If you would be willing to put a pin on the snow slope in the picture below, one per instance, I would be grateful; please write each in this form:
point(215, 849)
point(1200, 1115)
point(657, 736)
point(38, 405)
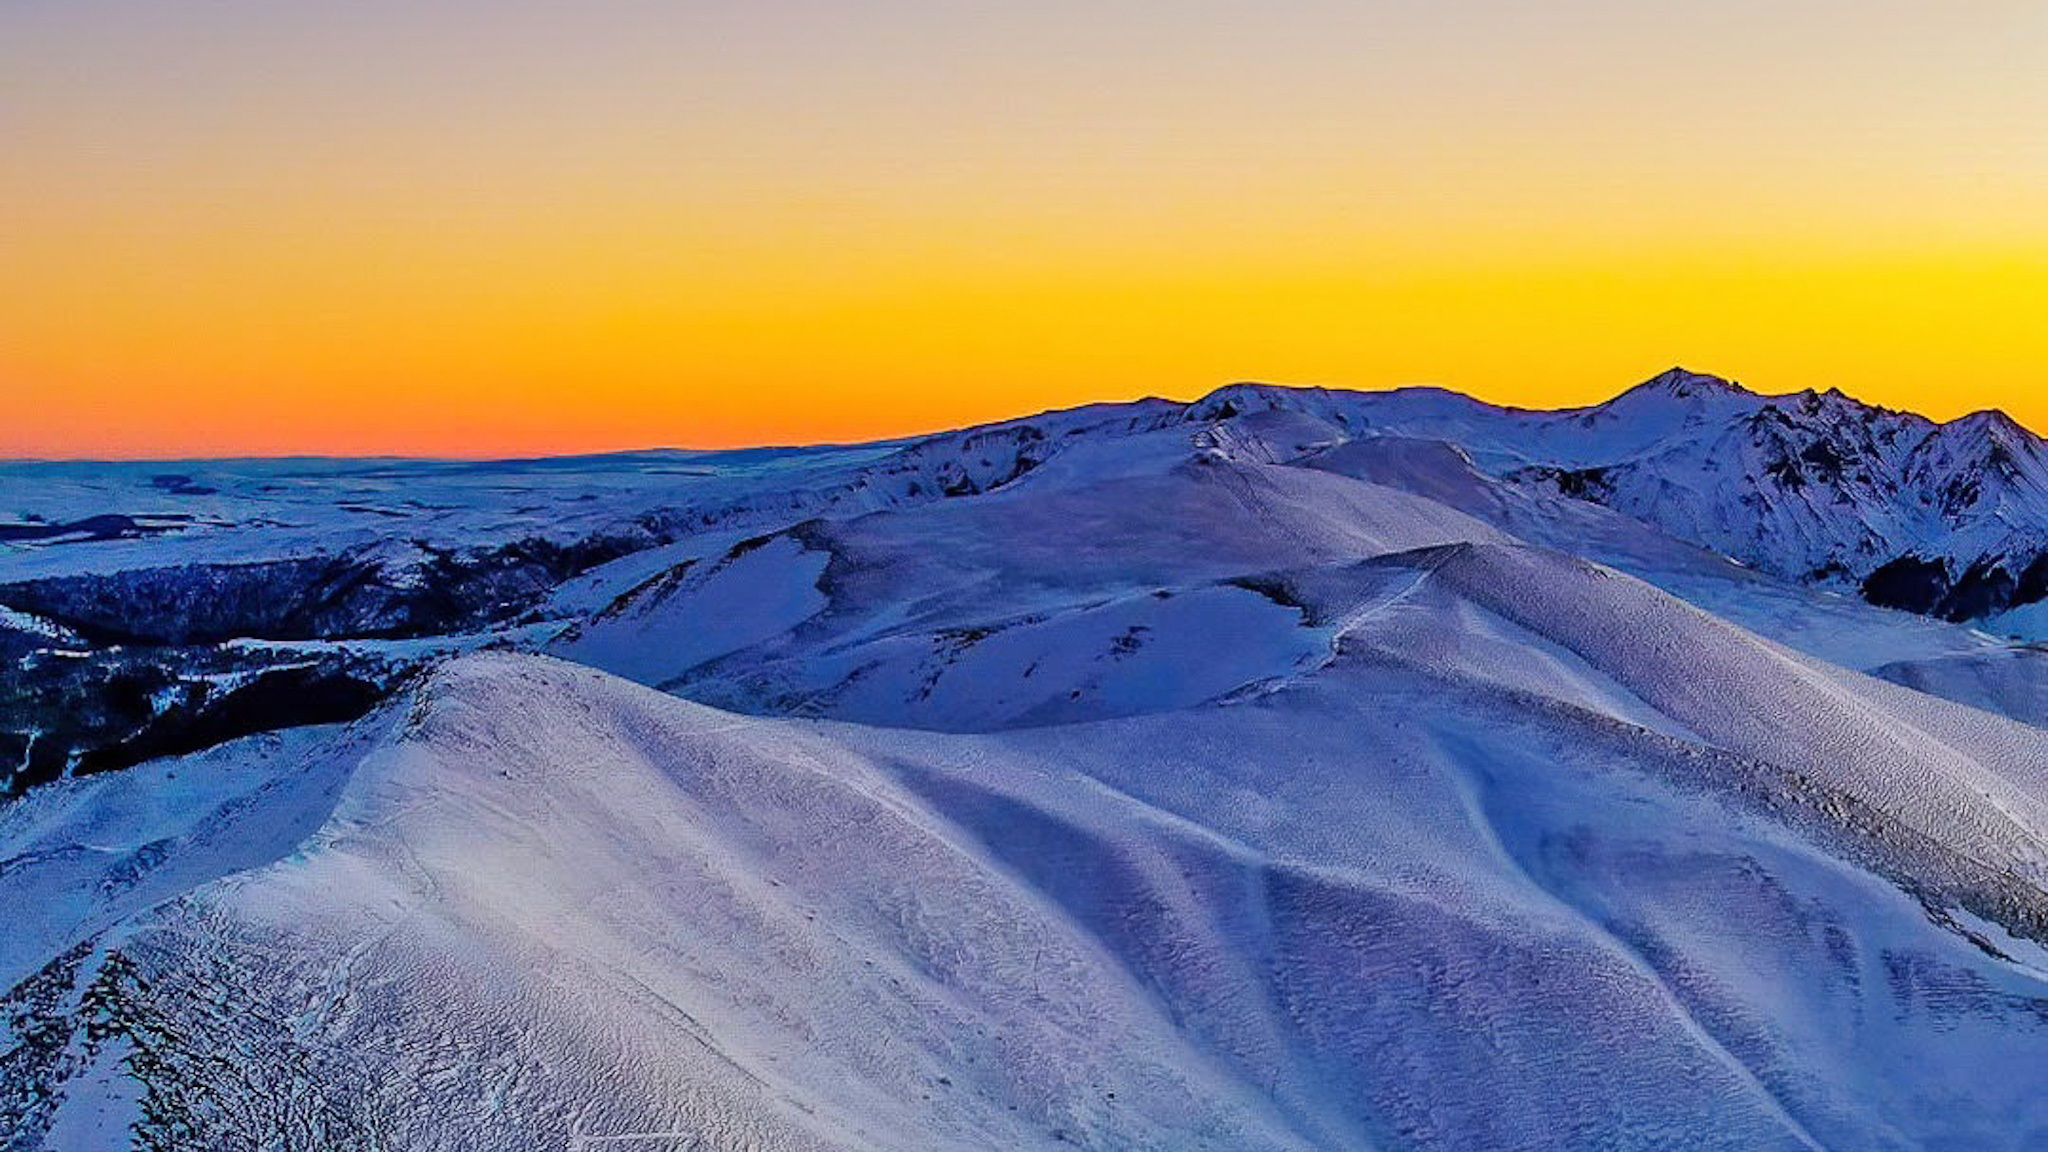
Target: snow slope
point(1053, 601)
point(1297, 769)
point(1948, 519)
point(2009, 681)
point(1364, 911)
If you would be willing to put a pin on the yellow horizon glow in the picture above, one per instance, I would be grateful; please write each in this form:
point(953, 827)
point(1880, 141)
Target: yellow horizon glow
point(559, 239)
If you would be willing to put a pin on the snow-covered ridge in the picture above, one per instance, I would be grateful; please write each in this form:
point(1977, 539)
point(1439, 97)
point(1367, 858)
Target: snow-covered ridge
point(1949, 519)
point(532, 904)
point(1296, 769)
point(366, 568)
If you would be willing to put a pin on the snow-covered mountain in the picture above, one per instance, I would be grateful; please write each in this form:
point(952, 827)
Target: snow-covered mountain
point(1295, 769)
point(1947, 519)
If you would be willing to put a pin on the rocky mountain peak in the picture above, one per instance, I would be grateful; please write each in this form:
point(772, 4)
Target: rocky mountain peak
point(1685, 384)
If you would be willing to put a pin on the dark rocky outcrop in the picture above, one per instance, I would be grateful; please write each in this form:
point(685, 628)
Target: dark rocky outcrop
point(72, 713)
point(1987, 586)
point(1908, 583)
point(315, 597)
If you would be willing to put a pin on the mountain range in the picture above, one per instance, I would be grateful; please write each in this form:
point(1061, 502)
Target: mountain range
point(1292, 769)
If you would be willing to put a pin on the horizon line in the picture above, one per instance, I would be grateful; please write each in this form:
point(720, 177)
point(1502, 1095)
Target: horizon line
point(914, 437)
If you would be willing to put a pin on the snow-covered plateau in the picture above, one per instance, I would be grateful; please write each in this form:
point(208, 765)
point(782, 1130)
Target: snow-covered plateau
point(1295, 769)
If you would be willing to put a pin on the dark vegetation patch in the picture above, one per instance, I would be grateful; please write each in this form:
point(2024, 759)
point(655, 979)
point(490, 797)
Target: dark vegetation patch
point(315, 597)
point(95, 711)
point(179, 484)
point(280, 698)
point(107, 526)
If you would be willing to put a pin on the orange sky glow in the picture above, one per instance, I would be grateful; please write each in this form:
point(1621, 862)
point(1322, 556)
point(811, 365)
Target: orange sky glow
point(527, 227)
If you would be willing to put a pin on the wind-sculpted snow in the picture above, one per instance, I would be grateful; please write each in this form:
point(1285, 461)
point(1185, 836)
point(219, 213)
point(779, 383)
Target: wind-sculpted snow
point(81, 855)
point(1048, 604)
point(1828, 625)
point(180, 561)
point(2009, 681)
point(1365, 911)
point(701, 610)
point(1297, 769)
point(1973, 782)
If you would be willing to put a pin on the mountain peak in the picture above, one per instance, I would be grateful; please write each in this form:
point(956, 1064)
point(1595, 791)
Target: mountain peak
point(1991, 422)
point(1685, 384)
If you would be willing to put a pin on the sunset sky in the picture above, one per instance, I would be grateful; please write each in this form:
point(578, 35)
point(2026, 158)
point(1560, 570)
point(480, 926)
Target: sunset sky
point(242, 227)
